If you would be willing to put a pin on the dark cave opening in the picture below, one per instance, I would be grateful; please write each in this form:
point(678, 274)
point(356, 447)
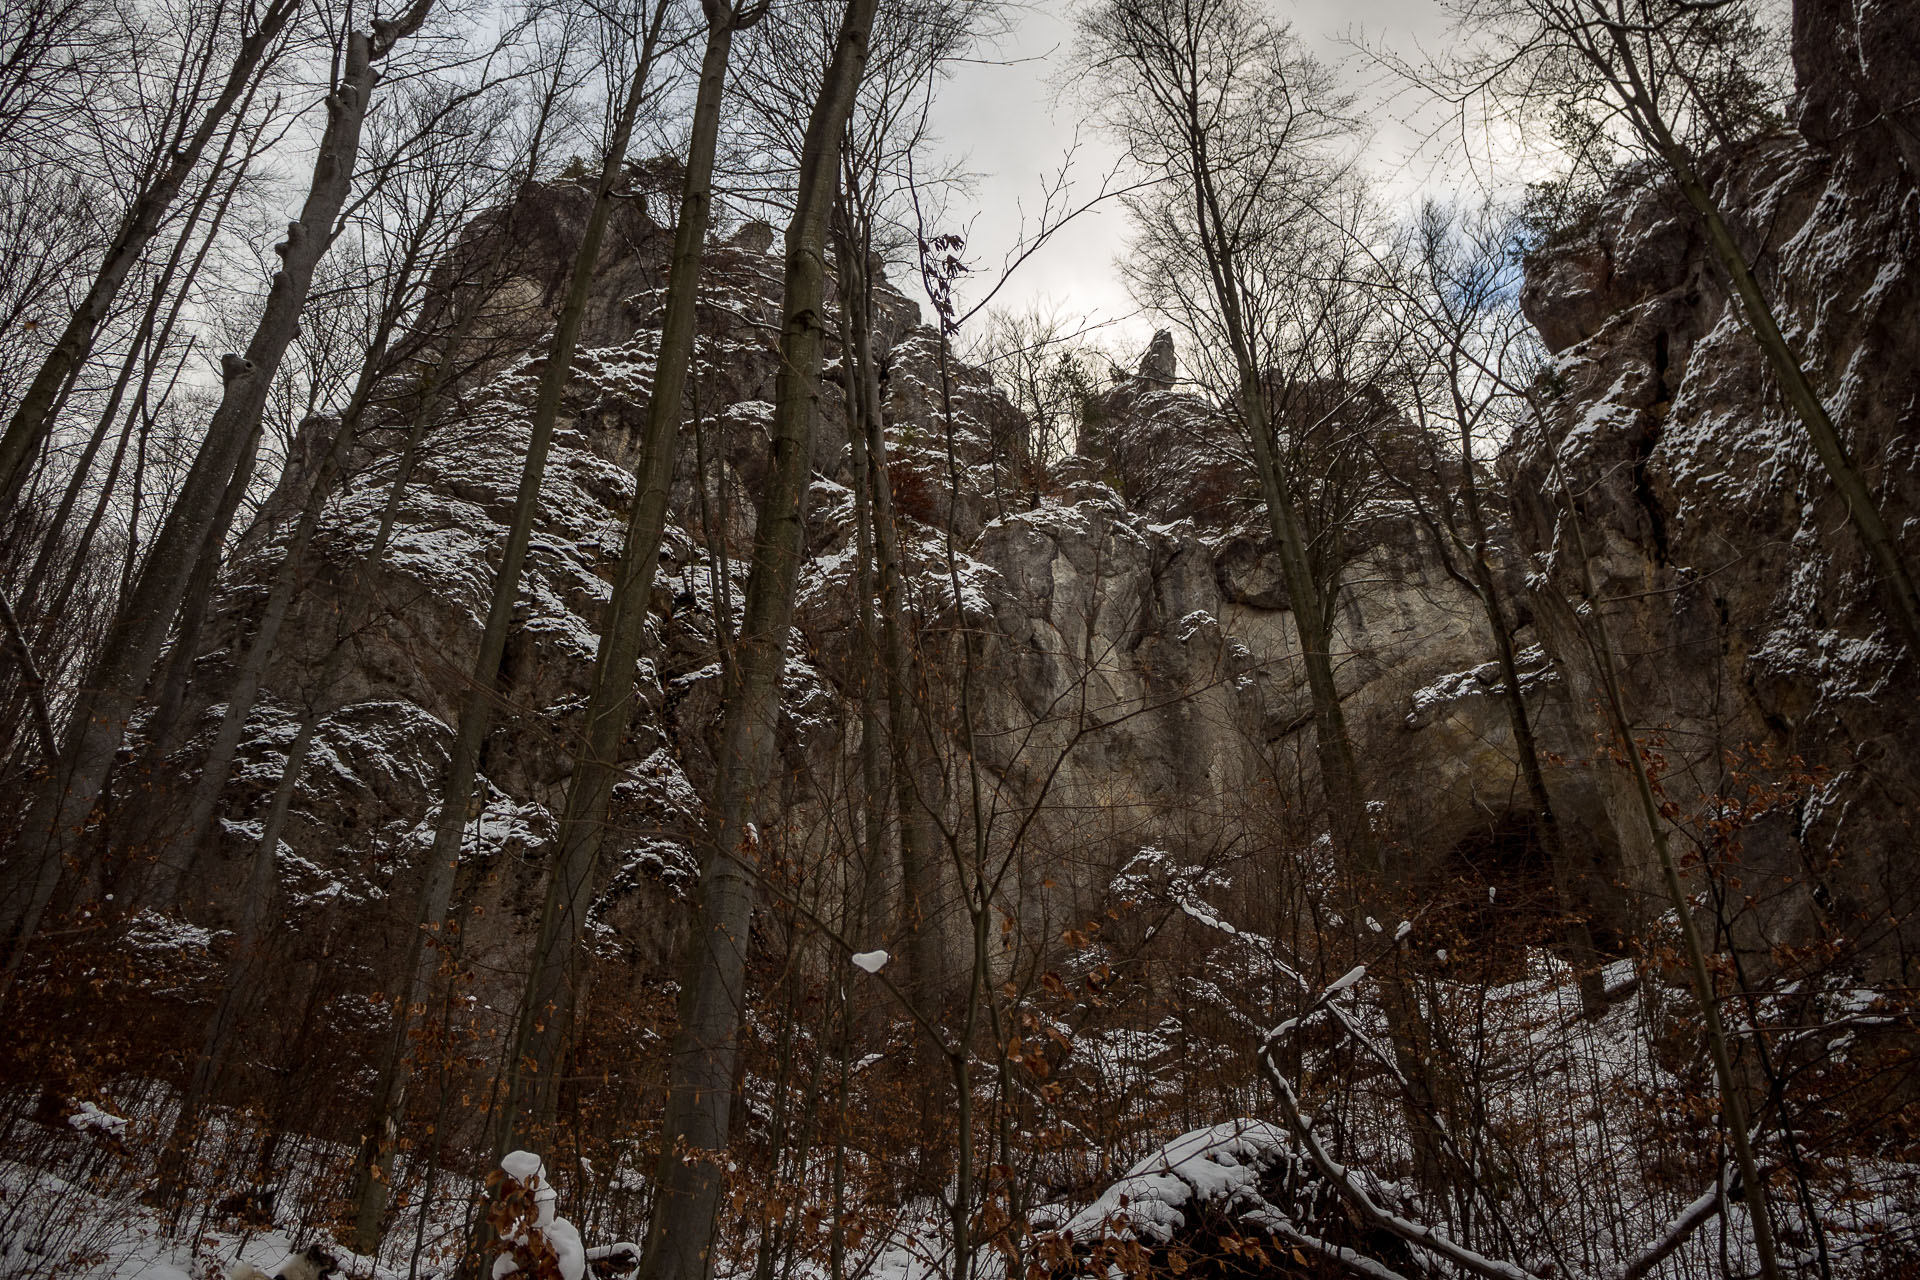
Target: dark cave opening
point(1489, 899)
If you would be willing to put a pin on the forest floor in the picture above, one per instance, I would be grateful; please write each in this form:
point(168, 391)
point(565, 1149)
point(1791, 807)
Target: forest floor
point(1599, 1099)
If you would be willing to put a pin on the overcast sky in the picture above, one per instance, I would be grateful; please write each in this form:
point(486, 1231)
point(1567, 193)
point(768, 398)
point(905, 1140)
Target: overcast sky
point(1004, 120)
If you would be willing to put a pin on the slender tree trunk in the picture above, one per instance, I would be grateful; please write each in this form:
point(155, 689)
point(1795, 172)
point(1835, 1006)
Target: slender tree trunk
point(137, 416)
point(216, 768)
point(130, 563)
point(1352, 826)
point(77, 483)
point(1592, 626)
point(358, 592)
point(50, 613)
point(222, 1030)
point(145, 339)
point(1573, 884)
point(169, 689)
point(62, 805)
point(538, 1053)
point(978, 883)
point(915, 790)
point(1339, 770)
point(694, 1132)
point(313, 233)
point(31, 682)
point(713, 531)
point(837, 1167)
point(871, 891)
point(476, 714)
point(139, 425)
point(33, 418)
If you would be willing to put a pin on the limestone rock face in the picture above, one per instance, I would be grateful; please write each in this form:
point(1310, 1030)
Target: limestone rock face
point(410, 626)
point(1179, 685)
point(1157, 365)
point(1857, 66)
point(1131, 666)
point(1113, 627)
point(1736, 592)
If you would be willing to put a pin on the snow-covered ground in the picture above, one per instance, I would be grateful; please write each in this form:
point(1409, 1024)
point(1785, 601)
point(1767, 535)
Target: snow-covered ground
point(74, 1204)
point(1589, 1150)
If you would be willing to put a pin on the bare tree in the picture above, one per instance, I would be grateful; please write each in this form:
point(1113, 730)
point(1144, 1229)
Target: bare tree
point(432, 157)
point(699, 1102)
point(553, 986)
point(1054, 369)
point(1467, 351)
point(884, 132)
point(190, 128)
point(48, 51)
point(635, 40)
point(63, 804)
point(1237, 129)
point(1587, 614)
point(68, 548)
point(1239, 134)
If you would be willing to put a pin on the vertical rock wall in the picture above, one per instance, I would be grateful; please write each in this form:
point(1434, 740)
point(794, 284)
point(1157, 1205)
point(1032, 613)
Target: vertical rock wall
point(1756, 653)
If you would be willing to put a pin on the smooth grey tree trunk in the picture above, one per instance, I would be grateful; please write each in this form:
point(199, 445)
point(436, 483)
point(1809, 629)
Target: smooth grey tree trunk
point(860, 392)
point(915, 790)
point(380, 1131)
point(553, 989)
point(690, 1183)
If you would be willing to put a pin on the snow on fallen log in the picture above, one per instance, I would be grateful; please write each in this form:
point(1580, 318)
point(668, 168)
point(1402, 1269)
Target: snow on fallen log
point(1219, 1189)
point(1690, 1219)
point(1219, 1164)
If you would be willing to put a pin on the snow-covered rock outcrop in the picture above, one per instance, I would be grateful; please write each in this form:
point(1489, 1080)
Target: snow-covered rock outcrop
point(1128, 654)
point(1744, 608)
point(1135, 671)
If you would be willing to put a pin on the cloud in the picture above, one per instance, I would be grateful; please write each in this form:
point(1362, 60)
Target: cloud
point(1003, 119)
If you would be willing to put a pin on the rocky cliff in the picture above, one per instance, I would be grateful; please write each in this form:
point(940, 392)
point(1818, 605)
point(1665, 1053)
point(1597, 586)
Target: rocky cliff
point(1135, 672)
point(1124, 653)
point(1735, 590)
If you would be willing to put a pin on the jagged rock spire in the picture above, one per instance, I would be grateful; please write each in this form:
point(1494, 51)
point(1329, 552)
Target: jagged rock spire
point(1157, 365)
